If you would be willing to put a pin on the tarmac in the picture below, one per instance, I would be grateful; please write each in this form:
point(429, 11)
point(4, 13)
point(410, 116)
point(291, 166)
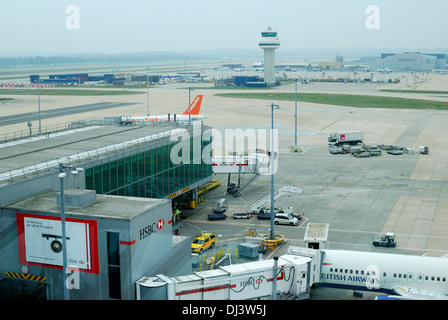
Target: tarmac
point(359, 197)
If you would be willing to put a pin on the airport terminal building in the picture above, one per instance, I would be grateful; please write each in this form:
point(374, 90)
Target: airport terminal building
point(120, 185)
point(412, 61)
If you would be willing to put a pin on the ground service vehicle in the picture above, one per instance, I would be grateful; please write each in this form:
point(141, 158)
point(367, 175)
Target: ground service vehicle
point(264, 215)
point(362, 155)
point(346, 137)
point(424, 150)
point(242, 215)
point(385, 240)
point(219, 206)
point(203, 242)
point(217, 216)
point(340, 150)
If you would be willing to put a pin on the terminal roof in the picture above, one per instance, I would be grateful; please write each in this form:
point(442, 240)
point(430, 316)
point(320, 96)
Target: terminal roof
point(27, 156)
point(109, 207)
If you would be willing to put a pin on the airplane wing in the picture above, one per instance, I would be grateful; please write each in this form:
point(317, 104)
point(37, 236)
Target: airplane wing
point(409, 293)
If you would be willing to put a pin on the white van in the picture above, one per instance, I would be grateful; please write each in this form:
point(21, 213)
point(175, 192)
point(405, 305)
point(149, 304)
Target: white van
point(285, 218)
point(424, 150)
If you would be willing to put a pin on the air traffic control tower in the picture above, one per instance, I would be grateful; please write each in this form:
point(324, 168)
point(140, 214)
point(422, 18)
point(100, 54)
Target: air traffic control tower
point(269, 43)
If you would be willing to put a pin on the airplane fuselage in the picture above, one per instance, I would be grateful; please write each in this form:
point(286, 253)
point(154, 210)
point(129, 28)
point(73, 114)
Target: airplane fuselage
point(383, 272)
point(192, 114)
point(164, 118)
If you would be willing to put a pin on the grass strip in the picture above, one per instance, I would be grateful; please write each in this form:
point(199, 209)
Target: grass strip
point(415, 91)
point(359, 101)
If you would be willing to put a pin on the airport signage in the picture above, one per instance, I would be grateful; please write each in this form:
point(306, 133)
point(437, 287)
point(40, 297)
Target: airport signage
point(151, 228)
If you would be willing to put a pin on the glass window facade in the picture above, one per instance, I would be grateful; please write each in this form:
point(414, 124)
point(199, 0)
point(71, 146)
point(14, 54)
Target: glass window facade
point(269, 34)
point(149, 173)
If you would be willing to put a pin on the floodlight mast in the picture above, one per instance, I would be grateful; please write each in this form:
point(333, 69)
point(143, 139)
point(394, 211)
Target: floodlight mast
point(272, 106)
point(62, 174)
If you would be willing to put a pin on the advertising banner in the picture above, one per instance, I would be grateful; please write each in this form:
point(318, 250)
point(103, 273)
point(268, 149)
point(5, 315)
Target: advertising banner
point(40, 241)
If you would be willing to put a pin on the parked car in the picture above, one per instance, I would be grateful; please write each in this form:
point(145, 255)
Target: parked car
point(203, 242)
point(285, 218)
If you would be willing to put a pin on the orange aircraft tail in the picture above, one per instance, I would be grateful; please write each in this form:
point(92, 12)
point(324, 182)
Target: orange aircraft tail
point(195, 106)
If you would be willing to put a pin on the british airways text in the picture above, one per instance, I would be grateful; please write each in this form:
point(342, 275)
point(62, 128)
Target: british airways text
point(369, 281)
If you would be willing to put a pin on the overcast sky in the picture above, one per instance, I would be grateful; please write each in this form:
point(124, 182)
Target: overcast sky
point(30, 27)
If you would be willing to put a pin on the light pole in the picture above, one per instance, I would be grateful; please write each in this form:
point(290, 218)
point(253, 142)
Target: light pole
point(63, 174)
point(147, 93)
point(38, 107)
point(272, 236)
point(189, 105)
point(295, 131)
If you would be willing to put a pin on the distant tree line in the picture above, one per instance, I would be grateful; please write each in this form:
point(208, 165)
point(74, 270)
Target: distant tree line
point(102, 58)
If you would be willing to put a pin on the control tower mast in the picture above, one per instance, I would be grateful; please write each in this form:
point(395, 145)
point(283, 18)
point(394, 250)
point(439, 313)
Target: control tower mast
point(269, 43)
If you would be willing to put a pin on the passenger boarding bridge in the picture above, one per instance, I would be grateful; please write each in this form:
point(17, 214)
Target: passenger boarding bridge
point(256, 164)
point(292, 275)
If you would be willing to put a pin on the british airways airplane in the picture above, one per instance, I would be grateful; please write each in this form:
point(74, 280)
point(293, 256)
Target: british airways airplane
point(401, 277)
point(191, 113)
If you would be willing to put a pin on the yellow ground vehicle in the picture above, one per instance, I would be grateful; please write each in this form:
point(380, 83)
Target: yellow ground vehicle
point(203, 242)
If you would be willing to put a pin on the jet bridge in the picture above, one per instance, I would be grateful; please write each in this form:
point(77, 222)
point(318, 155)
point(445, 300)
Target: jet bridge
point(264, 202)
point(256, 164)
point(290, 275)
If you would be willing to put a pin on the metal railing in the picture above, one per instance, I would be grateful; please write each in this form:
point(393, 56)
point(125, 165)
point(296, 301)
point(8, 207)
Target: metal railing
point(24, 172)
point(25, 134)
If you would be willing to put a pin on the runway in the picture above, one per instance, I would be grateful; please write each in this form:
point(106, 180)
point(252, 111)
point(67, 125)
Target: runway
point(59, 112)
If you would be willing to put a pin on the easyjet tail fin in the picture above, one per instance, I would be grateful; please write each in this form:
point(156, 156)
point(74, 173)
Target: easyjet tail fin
point(195, 106)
